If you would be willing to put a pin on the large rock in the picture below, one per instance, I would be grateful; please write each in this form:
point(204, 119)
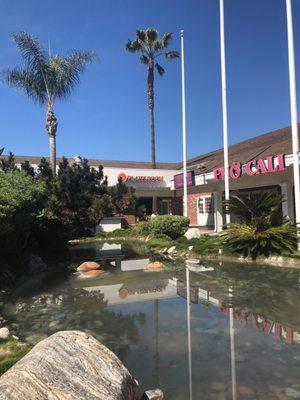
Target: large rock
point(192, 233)
point(69, 365)
point(156, 265)
point(4, 333)
point(88, 266)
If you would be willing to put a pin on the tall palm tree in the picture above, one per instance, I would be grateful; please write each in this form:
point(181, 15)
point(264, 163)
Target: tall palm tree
point(151, 47)
point(46, 78)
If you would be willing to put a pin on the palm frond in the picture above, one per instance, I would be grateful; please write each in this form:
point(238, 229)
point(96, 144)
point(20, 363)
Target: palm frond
point(141, 34)
point(151, 35)
point(133, 46)
point(31, 51)
point(144, 59)
point(27, 80)
point(166, 38)
point(172, 54)
point(65, 72)
point(159, 69)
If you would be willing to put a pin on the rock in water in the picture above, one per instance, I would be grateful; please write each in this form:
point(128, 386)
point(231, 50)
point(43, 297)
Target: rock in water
point(155, 394)
point(155, 266)
point(4, 333)
point(88, 266)
point(69, 365)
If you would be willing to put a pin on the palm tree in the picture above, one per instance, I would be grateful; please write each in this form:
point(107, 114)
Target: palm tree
point(151, 47)
point(46, 78)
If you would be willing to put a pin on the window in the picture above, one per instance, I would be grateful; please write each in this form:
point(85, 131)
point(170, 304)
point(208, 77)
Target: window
point(205, 205)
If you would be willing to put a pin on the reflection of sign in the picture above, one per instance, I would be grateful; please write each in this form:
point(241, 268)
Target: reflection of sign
point(123, 293)
point(178, 180)
point(139, 178)
point(182, 292)
point(253, 167)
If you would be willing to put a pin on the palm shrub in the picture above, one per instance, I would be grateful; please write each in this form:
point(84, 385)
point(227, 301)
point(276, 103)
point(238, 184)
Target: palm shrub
point(262, 230)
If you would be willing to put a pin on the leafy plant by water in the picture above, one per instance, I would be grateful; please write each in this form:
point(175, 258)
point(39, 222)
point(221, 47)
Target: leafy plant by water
point(262, 229)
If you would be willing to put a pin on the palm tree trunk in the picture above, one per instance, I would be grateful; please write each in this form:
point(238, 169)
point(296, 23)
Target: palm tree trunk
point(151, 110)
point(51, 126)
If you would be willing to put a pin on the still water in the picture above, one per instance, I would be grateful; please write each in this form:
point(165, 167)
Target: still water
point(231, 332)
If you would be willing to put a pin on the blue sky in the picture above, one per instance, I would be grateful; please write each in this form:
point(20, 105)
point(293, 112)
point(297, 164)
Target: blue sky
point(107, 115)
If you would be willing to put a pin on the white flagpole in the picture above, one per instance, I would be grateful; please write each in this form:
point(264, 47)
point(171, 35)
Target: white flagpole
point(224, 104)
point(293, 101)
point(185, 203)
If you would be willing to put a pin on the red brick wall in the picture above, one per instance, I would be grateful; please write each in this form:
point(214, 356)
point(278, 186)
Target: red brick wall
point(193, 208)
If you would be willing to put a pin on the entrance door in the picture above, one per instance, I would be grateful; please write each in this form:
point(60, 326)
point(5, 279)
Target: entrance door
point(205, 211)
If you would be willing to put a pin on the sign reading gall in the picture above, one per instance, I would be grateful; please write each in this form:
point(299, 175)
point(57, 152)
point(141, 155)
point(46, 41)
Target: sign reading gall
point(252, 168)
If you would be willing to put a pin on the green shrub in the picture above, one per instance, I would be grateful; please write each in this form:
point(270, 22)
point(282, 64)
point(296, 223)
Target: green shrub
point(248, 241)
point(173, 226)
point(262, 230)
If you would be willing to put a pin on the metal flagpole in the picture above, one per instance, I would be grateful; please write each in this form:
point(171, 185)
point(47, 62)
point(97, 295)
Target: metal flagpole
point(185, 205)
point(293, 101)
point(224, 105)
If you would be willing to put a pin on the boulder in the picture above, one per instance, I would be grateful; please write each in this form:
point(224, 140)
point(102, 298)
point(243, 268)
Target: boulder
point(155, 394)
point(192, 233)
point(92, 274)
point(4, 333)
point(88, 266)
point(156, 265)
point(69, 365)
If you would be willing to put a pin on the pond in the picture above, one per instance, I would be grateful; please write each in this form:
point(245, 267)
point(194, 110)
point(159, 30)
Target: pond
point(226, 332)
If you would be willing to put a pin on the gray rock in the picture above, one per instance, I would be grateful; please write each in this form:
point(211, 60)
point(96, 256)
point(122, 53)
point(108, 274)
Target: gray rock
point(172, 250)
point(293, 393)
point(155, 394)
point(69, 365)
point(4, 333)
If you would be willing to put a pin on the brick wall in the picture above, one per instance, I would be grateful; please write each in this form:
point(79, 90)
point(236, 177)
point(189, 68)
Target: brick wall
point(193, 208)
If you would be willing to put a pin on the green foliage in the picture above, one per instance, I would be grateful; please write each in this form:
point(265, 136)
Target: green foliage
point(11, 351)
point(203, 245)
point(262, 230)
point(45, 77)
point(248, 241)
point(173, 226)
point(8, 163)
point(20, 205)
point(151, 47)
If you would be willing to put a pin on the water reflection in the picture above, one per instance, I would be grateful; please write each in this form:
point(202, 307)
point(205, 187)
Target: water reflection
point(227, 332)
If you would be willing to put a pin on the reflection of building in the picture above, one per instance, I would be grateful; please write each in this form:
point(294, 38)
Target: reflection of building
point(121, 293)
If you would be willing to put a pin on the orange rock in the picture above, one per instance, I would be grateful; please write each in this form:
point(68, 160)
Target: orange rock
point(93, 273)
point(88, 266)
point(155, 266)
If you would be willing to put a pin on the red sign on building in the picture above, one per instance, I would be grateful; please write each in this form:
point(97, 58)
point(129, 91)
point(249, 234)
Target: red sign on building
point(252, 168)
